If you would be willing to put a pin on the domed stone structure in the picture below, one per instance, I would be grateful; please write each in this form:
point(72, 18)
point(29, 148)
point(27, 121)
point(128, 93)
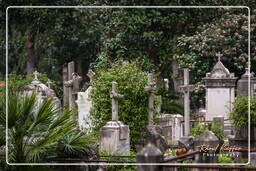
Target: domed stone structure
point(42, 91)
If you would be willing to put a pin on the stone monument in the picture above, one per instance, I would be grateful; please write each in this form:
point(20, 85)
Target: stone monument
point(220, 91)
point(186, 88)
point(114, 136)
point(42, 91)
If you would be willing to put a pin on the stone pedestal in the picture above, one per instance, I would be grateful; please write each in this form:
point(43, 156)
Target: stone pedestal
point(114, 137)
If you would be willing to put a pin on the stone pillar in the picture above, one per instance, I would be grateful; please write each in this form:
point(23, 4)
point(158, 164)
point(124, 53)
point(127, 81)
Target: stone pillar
point(71, 70)
point(149, 154)
point(65, 89)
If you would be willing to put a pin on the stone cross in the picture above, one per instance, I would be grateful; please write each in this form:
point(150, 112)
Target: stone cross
point(186, 88)
point(36, 75)
point(74, 85)
point(219, 56)
point(115, 97)
point(151, 87)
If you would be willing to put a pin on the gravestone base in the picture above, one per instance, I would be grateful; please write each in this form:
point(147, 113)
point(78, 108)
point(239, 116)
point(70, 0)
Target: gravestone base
point(114, 137)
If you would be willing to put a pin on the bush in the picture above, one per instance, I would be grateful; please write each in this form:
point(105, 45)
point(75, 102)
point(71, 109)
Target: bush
point(198, 129)
point(132, 108)
point(239, 114)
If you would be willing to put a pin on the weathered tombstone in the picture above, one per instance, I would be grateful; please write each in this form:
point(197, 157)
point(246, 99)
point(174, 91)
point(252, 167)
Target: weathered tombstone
point(207, 144)
point(243, 83)
point(154, 132)
point(186, 88)
point(172, 125)
point(149, 154)
point(84, 105)
point(151, 88)
point(114, 136)
point(220, 91)
point(166, 84)
point(74, 86)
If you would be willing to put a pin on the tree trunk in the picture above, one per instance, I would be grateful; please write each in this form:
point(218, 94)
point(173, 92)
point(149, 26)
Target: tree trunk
point(31, 58)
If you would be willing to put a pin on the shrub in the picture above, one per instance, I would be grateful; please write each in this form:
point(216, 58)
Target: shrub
point(132, 108)
point(239, 114)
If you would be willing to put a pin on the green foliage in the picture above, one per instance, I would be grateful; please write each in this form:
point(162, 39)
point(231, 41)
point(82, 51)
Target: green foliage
point(239, 114)
point(133, 108)
point(120, 167)
point(18, 82)
point(199, 128)
point(34, 131)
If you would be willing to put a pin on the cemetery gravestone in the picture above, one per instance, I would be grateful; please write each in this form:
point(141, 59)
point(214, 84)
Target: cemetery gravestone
point(220, 91)
point(74, 86)
point(186, 88)
point(243, 83)
point(114, 136)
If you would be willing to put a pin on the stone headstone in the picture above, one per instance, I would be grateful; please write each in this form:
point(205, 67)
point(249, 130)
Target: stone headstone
point(84, 106)
point(172, 125)
point(115, 136)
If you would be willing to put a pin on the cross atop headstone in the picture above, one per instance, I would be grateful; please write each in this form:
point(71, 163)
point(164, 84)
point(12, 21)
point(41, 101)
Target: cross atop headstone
point(115, 98)
point(219, 56)
point(151, 87)
point(36, 75)
point(49, 82)
point(186, 88)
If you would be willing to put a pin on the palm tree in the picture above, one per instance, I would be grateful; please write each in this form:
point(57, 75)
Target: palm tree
point(36, 132)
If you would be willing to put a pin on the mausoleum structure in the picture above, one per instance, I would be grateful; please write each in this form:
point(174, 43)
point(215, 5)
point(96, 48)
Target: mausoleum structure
point(220, 91)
